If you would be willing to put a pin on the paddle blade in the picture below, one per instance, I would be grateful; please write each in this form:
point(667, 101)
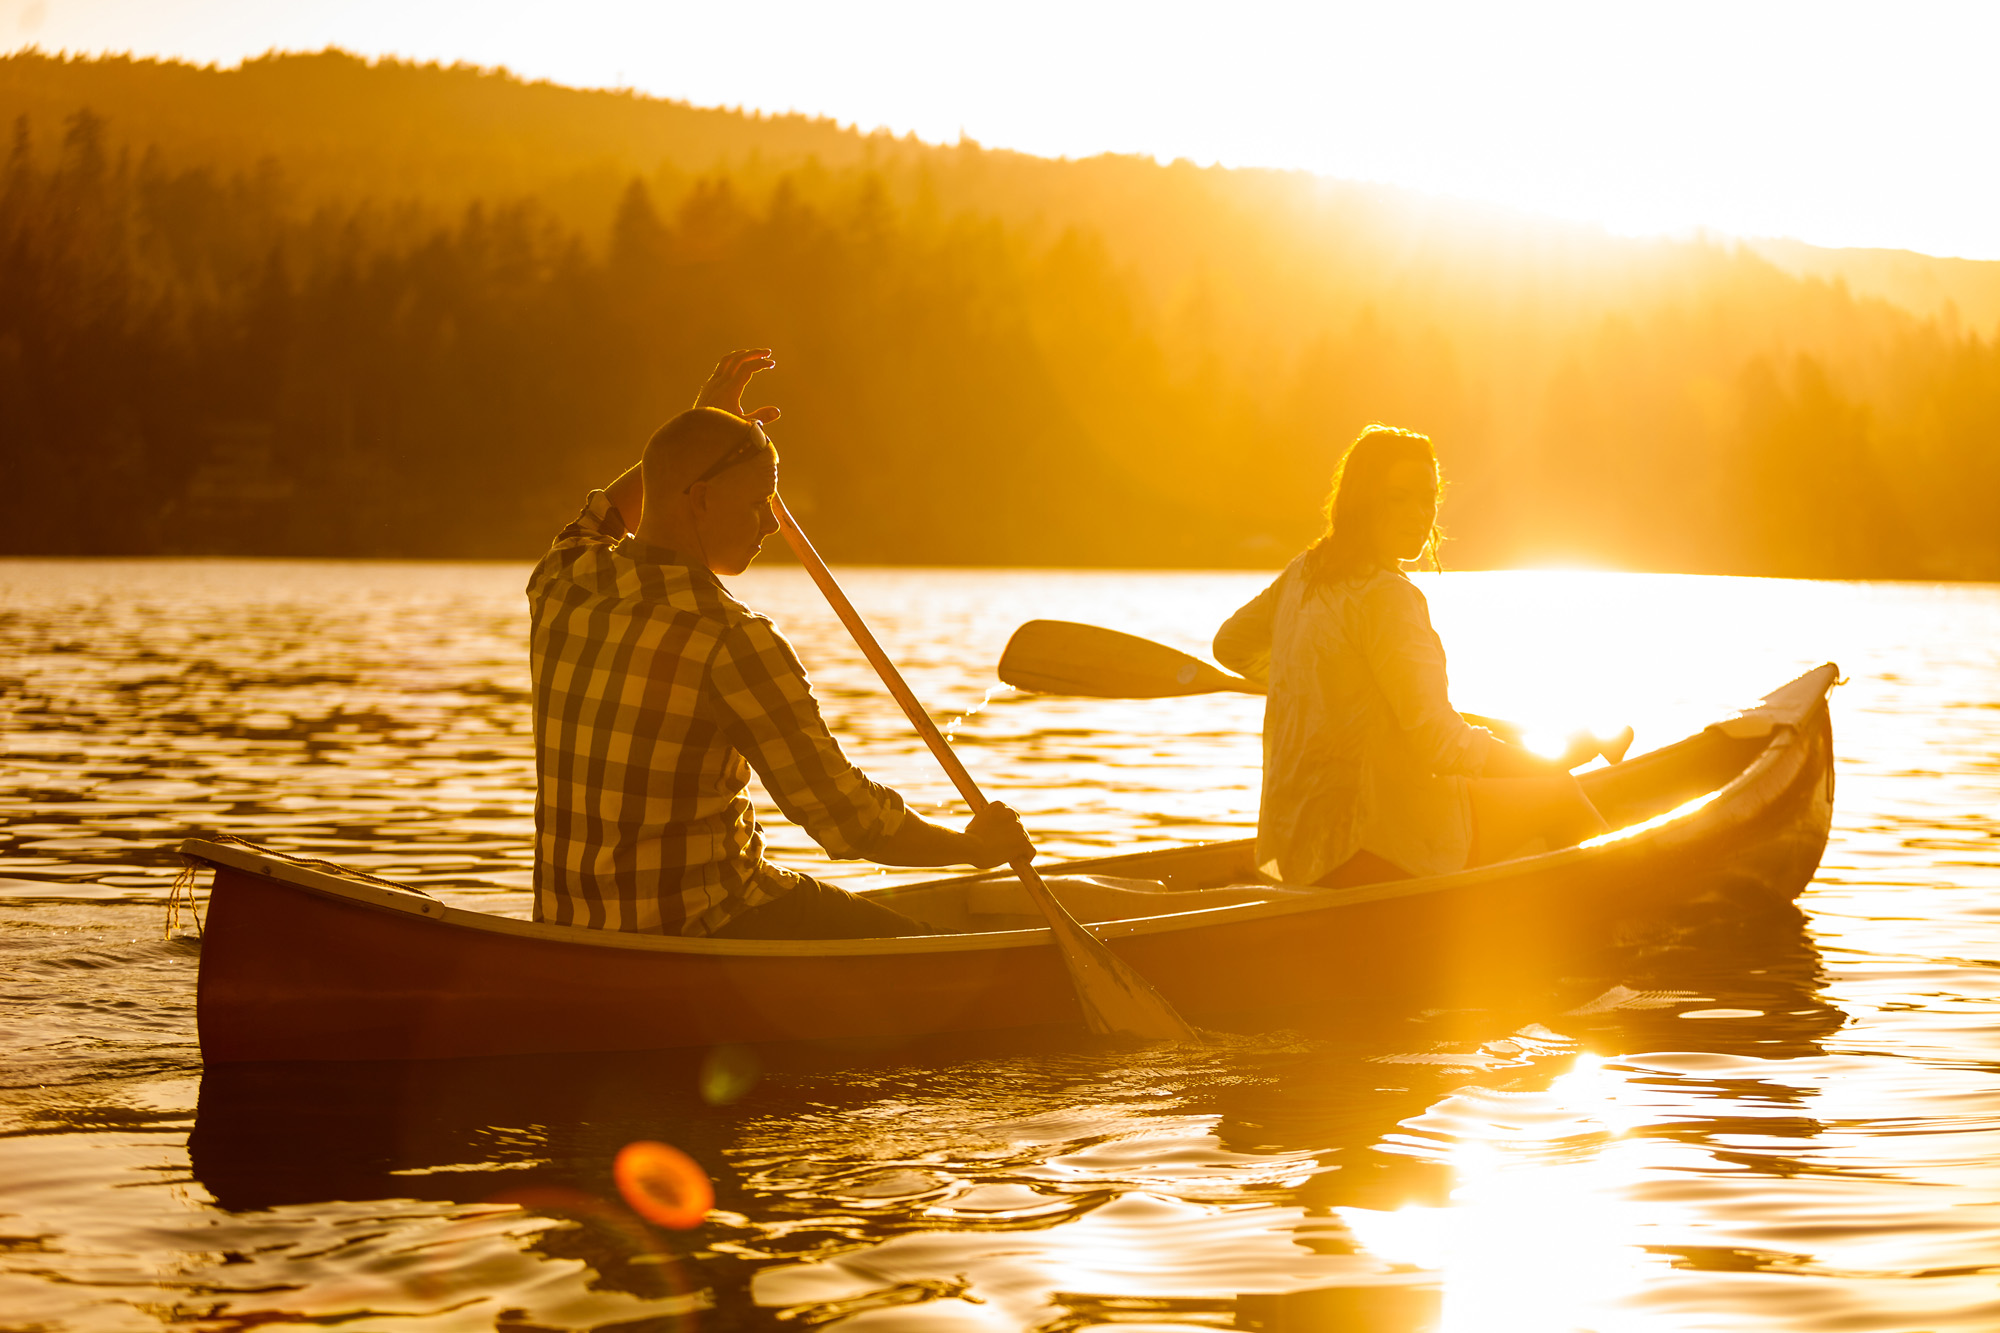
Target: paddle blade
point(1116, 1001)
point(1064, 657)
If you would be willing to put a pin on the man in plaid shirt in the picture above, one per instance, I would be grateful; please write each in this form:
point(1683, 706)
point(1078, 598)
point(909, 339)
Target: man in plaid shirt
point(657, 694)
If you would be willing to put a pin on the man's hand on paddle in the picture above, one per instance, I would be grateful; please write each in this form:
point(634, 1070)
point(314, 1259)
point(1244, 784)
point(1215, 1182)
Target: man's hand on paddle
point(994, 837)
point(998, 827)
point(731, 377)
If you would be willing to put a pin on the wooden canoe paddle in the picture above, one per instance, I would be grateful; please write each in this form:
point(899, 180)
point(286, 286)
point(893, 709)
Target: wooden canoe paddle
point(1116, 1000)
point(1065, 657)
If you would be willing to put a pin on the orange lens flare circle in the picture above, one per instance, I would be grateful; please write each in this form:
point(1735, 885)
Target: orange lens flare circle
point(663, 1184)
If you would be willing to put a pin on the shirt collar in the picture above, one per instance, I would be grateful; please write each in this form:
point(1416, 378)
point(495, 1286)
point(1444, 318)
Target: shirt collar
point(646, 553)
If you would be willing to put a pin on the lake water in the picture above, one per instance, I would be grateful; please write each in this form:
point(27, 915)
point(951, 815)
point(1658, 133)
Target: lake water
point(1811, 1144)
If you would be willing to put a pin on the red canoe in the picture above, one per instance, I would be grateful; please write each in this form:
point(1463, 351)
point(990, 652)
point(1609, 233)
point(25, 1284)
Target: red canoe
point(306, 961)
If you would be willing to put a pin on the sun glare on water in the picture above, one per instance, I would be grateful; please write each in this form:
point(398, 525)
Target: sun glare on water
point(1537, 1235)
point(1554, 667)
point(1562, 651)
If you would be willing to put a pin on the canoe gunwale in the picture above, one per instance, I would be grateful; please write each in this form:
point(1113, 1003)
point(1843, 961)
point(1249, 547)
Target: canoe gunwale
point(1781, 721)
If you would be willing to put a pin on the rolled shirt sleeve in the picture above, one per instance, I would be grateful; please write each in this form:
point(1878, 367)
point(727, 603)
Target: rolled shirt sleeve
point(1406, 657)
point(770, 715)
point(597, 526)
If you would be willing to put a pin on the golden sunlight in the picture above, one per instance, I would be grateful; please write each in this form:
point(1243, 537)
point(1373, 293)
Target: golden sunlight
point(1537, 1235)
point(399, 402)
point(1812, 121)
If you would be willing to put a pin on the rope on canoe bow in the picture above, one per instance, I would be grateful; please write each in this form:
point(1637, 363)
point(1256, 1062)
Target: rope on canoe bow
point(184, 887)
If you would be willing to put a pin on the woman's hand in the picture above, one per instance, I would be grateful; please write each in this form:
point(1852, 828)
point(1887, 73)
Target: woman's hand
point(731, 377)
point(1508, 759)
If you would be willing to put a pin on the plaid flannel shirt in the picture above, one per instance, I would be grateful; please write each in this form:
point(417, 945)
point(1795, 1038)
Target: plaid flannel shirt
point(656, 694)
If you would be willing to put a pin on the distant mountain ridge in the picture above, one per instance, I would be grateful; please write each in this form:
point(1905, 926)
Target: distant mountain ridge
point(1964, 290)
point(282, 304)
point(447, 135)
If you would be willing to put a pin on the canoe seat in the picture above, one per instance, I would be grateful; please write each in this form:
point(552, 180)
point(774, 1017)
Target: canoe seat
point(1108, 898)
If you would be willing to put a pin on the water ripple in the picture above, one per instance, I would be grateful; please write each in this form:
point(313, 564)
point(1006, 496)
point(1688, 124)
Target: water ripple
point(1795, 1136)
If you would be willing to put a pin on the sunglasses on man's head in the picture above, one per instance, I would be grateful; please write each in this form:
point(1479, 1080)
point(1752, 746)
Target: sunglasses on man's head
point(731, 457)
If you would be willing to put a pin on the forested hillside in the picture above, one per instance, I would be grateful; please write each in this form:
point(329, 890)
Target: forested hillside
point(317, 306)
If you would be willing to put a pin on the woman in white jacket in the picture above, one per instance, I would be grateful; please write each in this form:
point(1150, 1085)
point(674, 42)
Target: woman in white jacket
point(1369, 772)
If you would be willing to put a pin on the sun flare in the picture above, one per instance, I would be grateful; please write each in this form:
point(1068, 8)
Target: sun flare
point(1537, 1235)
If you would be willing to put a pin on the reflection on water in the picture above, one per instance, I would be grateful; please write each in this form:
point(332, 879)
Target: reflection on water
point(1798, 1131)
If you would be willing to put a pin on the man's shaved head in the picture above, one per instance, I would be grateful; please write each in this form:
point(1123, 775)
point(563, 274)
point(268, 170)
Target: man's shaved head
point(693, 442)
point(710, 477)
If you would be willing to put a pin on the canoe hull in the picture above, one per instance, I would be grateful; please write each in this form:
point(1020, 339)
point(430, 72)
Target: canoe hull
point(293, 974)
point(377, 987)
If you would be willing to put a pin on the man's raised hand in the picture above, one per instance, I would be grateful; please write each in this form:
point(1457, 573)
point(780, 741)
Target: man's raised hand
point(731, 376)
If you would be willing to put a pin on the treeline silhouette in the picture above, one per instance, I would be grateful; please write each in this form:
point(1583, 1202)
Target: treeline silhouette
point(220, 333)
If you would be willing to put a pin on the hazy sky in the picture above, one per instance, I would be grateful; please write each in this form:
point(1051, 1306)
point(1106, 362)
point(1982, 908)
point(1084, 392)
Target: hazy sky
point(1843, 124)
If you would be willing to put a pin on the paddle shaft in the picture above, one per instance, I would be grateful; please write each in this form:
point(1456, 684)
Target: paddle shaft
point(1132, 1007)
point(864, 638)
